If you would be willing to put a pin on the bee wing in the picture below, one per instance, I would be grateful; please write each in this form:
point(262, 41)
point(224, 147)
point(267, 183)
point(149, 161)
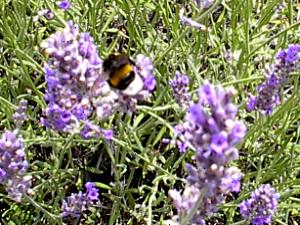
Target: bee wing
point(134, 87)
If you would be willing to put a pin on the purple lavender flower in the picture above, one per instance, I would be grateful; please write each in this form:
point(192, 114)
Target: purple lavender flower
point(12, 156)
point(60, 119)
point(77, 86)
point(150, 83)
point(287, 62)
point(104, 99)
point(180, 86)
point(204, 3)
point(77, 203)
point(92, 192)
point(145, 68)
point(20, 116)
point(64, 4)
point(70, 70)
point(182, 146)
point(72, 75)
point(186, 201)
point(47, 13)
point(231, 180)
point(18, 186)
point(211, 127)
point(107, 134)
point(190, 22)
point(13, 165)
point(262, 205)
point(74, 205)
point(91, 130)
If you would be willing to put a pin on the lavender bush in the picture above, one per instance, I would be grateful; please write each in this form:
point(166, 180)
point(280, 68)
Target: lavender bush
point(77, 88)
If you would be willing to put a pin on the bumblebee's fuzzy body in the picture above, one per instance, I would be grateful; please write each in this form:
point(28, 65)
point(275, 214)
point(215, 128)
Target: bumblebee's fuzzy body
point(119, 68)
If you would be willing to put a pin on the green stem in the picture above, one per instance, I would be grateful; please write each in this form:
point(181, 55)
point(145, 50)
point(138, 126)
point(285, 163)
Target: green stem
point(270, 39)
point(184, 32)
point(51, 216)
point(242, 222)
point(186, 220)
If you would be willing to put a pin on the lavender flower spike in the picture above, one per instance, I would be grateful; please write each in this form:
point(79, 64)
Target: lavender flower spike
point(13, 165)
point(186, 201)
point(287, 62)
point(20, 116)
point(77, 203)
point(145, 68)
point(260, 208)
point(180, 88)
point(91, 130)
point(73, 74)
point(211, 127)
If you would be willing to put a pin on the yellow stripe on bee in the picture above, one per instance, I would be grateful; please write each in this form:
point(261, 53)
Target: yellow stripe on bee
point(120, 74)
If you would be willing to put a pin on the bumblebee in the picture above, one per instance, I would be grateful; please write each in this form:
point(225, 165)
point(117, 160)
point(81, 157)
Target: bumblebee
point(121, 75)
